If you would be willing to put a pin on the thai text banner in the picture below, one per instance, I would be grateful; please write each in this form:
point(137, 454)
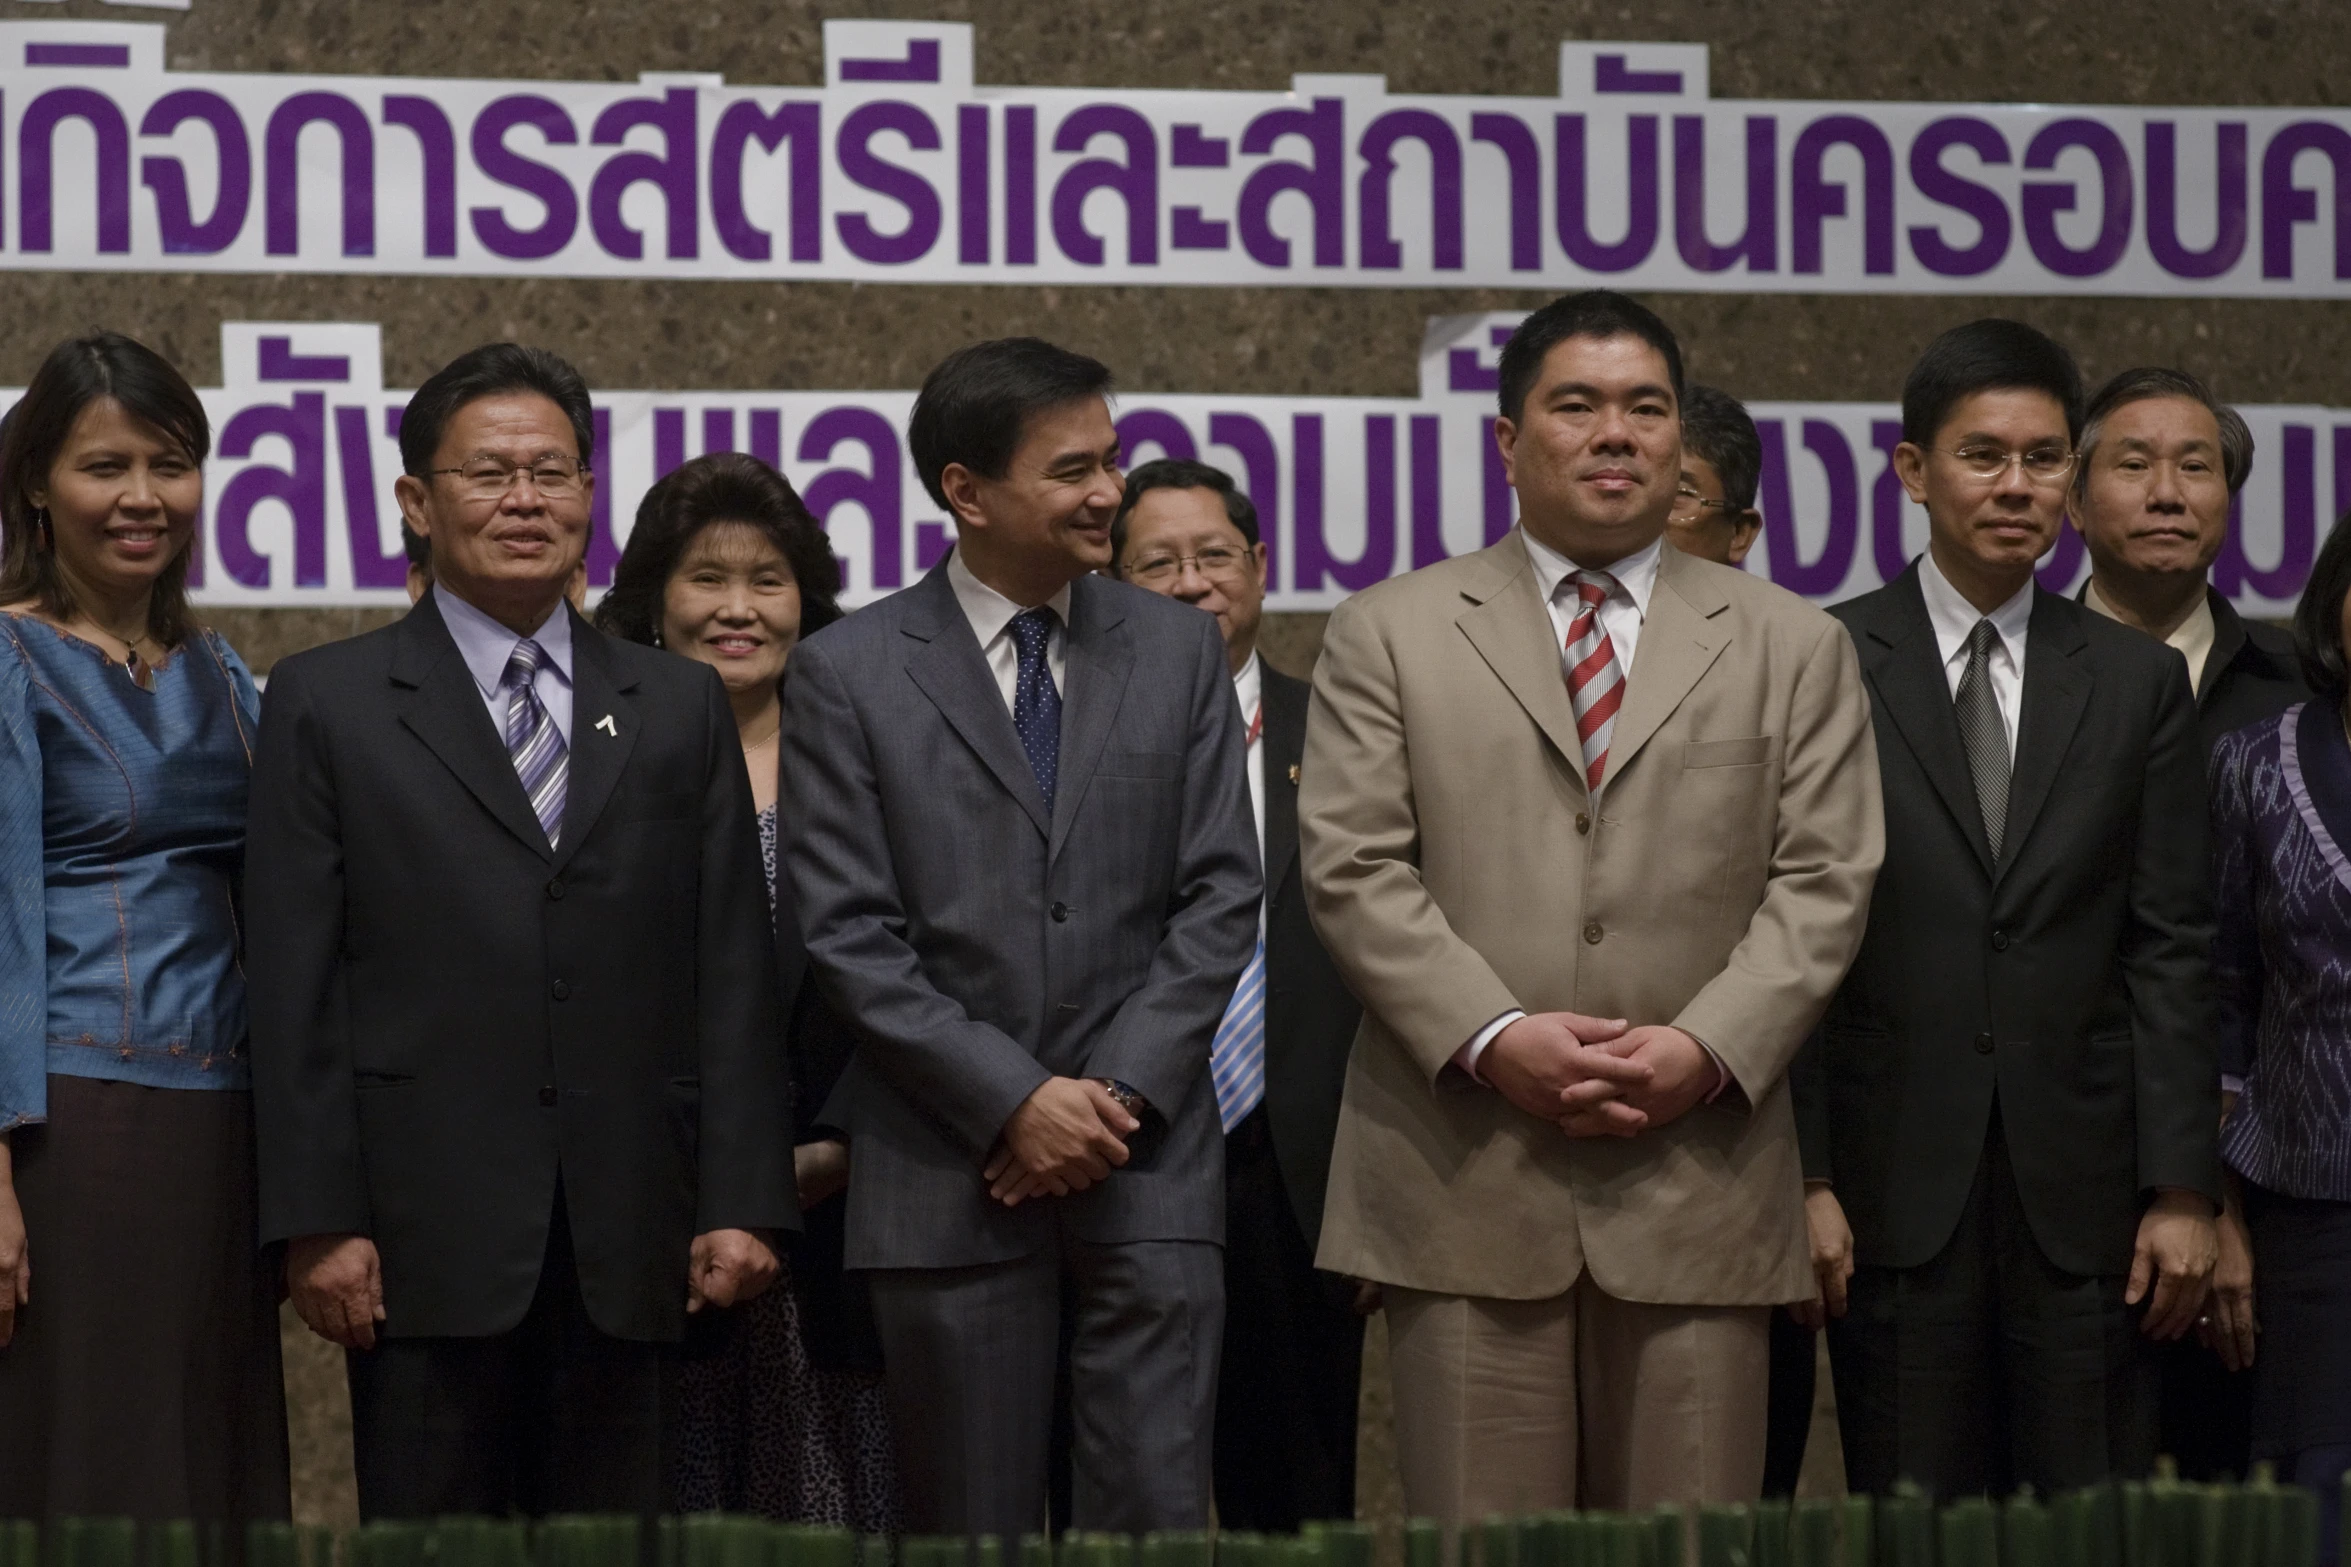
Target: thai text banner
point(1349, 490)
point(899, 169)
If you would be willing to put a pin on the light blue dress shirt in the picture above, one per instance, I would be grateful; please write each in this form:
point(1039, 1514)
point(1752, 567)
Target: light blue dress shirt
point(487, 646)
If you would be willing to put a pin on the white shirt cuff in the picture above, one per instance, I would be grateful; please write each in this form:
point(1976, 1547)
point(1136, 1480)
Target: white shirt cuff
point(1466, 1057)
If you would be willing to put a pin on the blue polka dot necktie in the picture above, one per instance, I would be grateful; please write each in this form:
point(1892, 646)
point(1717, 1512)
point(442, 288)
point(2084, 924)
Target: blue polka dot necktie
point(1036, 701)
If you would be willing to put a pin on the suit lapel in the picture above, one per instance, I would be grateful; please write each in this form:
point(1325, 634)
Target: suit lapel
point(2057, 685)
point(599, 752)
point(947, 667)
point(1509, 626)
point(1679, 643)
point(1099, 660)
point(1280, 749)
point(2228, 640)
point(1900, 658)
point(444, 710)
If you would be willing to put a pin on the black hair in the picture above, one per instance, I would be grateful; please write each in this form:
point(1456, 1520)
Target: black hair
point(1176, 473)
point(722, 487)
point(1990, 355)
point(974, 405)
point(2153, 381)
point(77, 373)
point(1717, 428)
point(2318, 618)
point(493, 370)
point(1596, 312)
point(417, 548)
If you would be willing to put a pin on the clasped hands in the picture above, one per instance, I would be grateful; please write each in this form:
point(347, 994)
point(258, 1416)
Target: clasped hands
point(1596, 1077)
point(1064, 1137)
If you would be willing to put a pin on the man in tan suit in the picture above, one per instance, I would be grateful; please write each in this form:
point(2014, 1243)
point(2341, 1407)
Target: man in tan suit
point(1590, 826)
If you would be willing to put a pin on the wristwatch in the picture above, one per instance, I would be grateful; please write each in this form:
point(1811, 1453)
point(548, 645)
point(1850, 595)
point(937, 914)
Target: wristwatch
point(1131, 1102)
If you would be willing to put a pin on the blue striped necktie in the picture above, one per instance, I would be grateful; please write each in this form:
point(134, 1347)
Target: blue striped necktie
point(1236, 1057)
point(541, 760)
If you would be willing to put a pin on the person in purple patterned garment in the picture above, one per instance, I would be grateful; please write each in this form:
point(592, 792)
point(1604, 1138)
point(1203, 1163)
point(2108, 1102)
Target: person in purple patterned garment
point(783, 1411)
point(2281, 816)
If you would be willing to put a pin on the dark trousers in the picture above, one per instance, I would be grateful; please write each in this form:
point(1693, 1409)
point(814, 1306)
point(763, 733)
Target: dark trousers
point(2207, 1424)
point(1293, 1357)
point(971, 1356)
point(1989, 1367)
point(1795, 1377)
point(553, 1416)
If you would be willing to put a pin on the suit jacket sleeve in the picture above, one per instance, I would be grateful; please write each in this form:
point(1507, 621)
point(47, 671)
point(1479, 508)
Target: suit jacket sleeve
point(2236, 950)
point(746, 1106)
point(305, 1100)
point(1826, 849)
point(1359, 848)
point(2166, 955)
point(966, 1074)
point(1158, 1041)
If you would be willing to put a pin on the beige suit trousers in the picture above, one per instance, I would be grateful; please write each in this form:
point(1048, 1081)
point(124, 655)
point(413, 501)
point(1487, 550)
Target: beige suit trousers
point(1497, 1402)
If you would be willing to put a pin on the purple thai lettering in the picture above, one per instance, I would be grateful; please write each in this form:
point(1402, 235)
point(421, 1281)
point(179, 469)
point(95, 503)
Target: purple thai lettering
point(670, 171)
point(2042, 200)
point(854, 152)
point(2229, 225)
point(2283, 203)
point(1574, 215)
point(669, 442)
point(1375, 236)
point(876, 488)
point(1825, 574)
point(1885, 503)
point(767, 436)
point(1758, 244)
point(1187, 229)
point(2342, 470)
point(1318, 566)
point(971, 184)
point(282, 171)
point(1135, 181)
point(794, 125)
point(1260, 478)
point(2234, 571)
point(548, 186)
point(1428, 492)
point(603, 547)
point(1516, 141)
point(1814, 198)
point(2062, 564)
point(436, 145)
point(1141, 427)
point(931, 544)
point(1191, 147)
point(300, 487)
point(1501, 498)
point(355, 456)
point(275, 360)
point(1980, 202)
point(718, 430)
point(34, 139)
point(1020, 185)
point(1321, 181)
point(175, 218)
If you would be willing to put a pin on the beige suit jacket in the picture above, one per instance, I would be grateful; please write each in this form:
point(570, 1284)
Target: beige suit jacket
point(1456, 867)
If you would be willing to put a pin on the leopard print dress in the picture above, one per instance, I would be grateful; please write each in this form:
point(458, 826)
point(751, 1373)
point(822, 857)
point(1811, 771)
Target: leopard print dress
point(762, 1430)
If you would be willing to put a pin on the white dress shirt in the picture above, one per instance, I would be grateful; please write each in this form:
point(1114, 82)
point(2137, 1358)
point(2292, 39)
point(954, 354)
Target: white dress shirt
point(2192, 638)
point(1621, 613)
point(1953, 618)
point(991, 615)
point(1249, 691)
point(487, 647)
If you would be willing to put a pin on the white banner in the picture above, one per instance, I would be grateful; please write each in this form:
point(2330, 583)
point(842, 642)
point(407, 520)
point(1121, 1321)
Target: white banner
point(899, 169)
point(1349, 490)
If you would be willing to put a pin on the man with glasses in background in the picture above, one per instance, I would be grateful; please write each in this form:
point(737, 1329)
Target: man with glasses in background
point(2013, 1097)
point(1714, 515)
point(1293, 1336)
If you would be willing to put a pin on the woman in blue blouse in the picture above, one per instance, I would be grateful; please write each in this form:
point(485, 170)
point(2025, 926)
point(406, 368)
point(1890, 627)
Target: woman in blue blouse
point(139, 1369)
point(2281, 815)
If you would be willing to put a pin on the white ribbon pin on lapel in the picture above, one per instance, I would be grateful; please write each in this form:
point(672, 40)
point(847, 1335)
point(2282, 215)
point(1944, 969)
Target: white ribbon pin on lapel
point(606, 724)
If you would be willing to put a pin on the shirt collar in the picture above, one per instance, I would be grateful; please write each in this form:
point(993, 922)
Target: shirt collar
point(1249, 687)
point(988, 610)
point(1953, 617)
point(486, 646)
point(1636, 574)
point(2193, 637)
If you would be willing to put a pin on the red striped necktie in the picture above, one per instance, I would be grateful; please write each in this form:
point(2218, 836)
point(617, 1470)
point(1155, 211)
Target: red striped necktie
point(1595, 681)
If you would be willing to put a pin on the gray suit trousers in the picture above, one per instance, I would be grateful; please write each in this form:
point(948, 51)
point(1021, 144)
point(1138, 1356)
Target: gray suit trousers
point(971, 1358)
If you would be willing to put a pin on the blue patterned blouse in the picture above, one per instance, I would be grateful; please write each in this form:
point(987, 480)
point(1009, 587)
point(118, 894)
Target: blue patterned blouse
point(2281, 816)
point(122, 838)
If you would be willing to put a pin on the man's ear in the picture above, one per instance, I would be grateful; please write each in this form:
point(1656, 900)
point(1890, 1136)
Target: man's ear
point(1506, 442)
point(1745, 526)
point(1910, 466)
point(409, 492)
point(962, 488)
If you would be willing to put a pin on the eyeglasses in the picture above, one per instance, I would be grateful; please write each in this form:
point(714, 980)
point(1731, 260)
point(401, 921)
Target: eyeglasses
point(2042, 465)
point(1218, 560)
point(1689, 505)
point(489, 478)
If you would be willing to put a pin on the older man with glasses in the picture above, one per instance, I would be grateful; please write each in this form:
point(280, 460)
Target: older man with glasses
point(1293, 1340)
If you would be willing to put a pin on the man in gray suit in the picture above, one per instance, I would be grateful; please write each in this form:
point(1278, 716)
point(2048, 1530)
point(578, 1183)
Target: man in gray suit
point(1019, 837)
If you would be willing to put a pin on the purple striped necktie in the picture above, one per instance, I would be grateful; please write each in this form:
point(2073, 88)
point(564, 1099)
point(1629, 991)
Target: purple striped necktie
point(541, 760)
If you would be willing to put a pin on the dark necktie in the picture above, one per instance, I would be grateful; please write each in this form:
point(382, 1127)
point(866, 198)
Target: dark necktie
point(1036, 701)
point(1983, 734)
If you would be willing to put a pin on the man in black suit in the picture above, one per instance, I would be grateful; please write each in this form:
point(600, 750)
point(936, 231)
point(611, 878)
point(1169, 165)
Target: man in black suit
point(516, 1050)
point(1293, 1337)
point(2161, 458)
point(2013, 1096)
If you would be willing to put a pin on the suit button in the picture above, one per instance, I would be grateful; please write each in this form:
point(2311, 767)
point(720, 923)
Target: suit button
point(1999, 941)
point(547, 1096)
point(1583, 823)
point(1060, 913)
point(1592, 932)
point(555, 890)
point(1983, 1044)
point(562, 991)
